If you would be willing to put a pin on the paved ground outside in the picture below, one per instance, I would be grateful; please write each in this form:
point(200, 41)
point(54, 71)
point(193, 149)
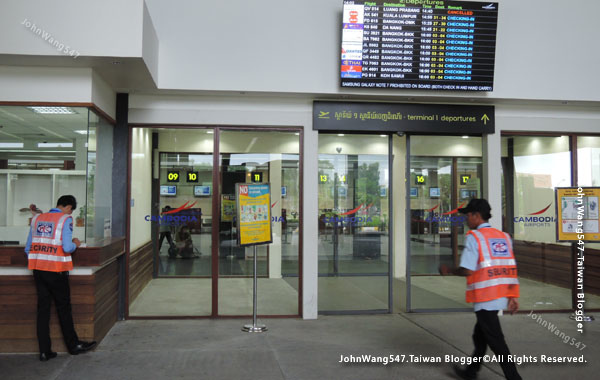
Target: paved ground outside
point(312, 349)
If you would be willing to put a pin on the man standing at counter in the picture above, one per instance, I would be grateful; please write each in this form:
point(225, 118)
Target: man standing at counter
point(49, 247)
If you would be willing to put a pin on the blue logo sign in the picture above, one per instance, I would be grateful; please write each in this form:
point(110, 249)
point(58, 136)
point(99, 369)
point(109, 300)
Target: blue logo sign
point(499, 247)
point(44, 229)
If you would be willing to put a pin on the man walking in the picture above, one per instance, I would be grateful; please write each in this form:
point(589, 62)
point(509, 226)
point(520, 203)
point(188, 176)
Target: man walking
point(49, 247)
point(489, 264)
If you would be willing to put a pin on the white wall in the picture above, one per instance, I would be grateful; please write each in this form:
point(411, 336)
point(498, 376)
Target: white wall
point(45, 84)
point(56, 84)
point(111, 28)
point(141, 181)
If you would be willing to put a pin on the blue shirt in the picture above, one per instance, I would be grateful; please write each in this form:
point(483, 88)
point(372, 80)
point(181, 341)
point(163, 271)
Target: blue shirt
point(469, 260)
point(67, 236)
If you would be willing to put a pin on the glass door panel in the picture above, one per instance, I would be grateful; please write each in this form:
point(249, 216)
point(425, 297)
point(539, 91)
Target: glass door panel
point(171, 178)
point(353, 223)
point(440, 183)
point(260, 157)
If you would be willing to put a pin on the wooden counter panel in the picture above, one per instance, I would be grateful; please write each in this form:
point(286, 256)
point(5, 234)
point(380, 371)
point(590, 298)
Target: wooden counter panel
point(140, 270)
point(94, 300)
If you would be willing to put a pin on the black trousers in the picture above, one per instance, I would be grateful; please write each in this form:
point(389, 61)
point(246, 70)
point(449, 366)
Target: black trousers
point(166, 234)
point(488, 332)
point(54, 286)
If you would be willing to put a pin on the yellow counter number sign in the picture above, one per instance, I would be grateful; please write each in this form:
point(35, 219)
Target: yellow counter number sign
point(192, 176)
point(172, 176)
point(420, 179)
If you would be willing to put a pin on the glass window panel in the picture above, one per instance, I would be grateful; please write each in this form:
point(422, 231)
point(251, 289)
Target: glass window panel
point(533, 167)
point(588, 173)
point(353, 222)
point(44, 155)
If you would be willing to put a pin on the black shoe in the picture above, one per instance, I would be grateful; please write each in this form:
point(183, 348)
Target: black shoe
point(45, 356)
point(463, 374)
point(82, 347)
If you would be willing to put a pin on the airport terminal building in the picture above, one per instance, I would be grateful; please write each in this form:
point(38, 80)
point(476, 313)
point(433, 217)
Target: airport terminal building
point(150, 113)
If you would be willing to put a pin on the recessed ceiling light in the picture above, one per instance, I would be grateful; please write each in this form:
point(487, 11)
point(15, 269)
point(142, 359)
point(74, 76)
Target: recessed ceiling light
point(383, 135)
point(11, 145)
point(341, 134)
point(55, 145)
point(210, 132)
point(52, 110)
point(465, 137)
point(82, 131)
point(297, 133)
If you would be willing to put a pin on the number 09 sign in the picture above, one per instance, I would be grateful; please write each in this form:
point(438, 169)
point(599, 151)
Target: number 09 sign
point(254, 213)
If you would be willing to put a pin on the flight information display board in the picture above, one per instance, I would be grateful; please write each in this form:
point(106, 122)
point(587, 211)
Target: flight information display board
point(419, 44)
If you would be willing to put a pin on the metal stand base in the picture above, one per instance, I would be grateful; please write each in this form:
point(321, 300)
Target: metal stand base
point(584, 318)
point(254, 328)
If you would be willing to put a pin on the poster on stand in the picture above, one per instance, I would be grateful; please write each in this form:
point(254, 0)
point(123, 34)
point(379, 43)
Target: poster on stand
point(254, 213)
point(577, 214)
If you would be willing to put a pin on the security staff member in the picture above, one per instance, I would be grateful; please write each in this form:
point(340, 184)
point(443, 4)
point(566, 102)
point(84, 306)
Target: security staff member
point(489, 264)
point(49, 247)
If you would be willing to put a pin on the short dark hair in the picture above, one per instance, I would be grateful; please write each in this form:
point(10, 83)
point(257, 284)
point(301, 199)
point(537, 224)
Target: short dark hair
point(67, 200)
point(478, 205)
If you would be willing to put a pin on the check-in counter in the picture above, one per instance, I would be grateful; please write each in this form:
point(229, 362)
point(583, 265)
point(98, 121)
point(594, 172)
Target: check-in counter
point(94, 283)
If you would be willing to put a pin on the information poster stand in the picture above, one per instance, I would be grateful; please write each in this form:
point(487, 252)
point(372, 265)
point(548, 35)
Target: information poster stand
point(254, 228)
point(578, 222)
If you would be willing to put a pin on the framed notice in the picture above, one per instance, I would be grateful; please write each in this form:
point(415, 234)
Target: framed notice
point(227, 208)
point(253, 213)
point(577, 214)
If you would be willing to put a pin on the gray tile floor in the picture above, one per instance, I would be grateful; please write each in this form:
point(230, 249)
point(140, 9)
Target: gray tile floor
point(310, 349)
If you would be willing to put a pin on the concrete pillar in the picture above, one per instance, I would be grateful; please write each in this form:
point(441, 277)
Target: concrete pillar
point(275, 174)
point(310, 240)
point(492, 176)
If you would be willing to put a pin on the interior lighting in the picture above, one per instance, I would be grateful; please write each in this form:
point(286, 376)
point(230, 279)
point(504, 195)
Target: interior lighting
point(465, 137)
point(11, 145)
point(52, 110)
point(82, 131)
point(383, 135)
point(55, 145)
point(210, 132)
point(340, 134)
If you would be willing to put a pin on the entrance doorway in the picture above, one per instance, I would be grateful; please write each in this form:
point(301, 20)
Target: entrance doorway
point(185, 178)
point(445, 173)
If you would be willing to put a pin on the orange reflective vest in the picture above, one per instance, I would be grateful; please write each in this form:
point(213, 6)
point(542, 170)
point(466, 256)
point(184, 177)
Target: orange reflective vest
point(496, 273)
point(46, 252)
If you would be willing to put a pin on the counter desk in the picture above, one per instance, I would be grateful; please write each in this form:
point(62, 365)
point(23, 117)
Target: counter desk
point(94, 283)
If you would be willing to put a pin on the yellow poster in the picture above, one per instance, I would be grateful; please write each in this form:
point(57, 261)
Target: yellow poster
point(577, 213)
point(254, 213)
point(227, 208)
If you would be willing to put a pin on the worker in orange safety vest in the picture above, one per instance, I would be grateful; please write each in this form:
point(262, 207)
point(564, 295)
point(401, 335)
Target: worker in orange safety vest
point(49, 247)
point(489, 264)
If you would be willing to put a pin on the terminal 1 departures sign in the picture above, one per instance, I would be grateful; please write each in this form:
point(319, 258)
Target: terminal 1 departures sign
point(419, 44)
point(403, 117)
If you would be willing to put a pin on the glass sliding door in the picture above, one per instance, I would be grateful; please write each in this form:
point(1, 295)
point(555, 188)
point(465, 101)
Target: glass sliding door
point(260, 157)
point(354, 262)
point(173, 180)
point(440, 182)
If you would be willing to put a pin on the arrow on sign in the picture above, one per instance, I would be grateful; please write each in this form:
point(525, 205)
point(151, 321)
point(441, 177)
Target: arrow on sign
point(485, 119)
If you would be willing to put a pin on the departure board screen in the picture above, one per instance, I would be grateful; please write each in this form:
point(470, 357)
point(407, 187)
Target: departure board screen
point(419, 44)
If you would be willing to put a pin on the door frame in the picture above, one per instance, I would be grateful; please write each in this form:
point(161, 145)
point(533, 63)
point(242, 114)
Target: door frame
point(216, 218)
